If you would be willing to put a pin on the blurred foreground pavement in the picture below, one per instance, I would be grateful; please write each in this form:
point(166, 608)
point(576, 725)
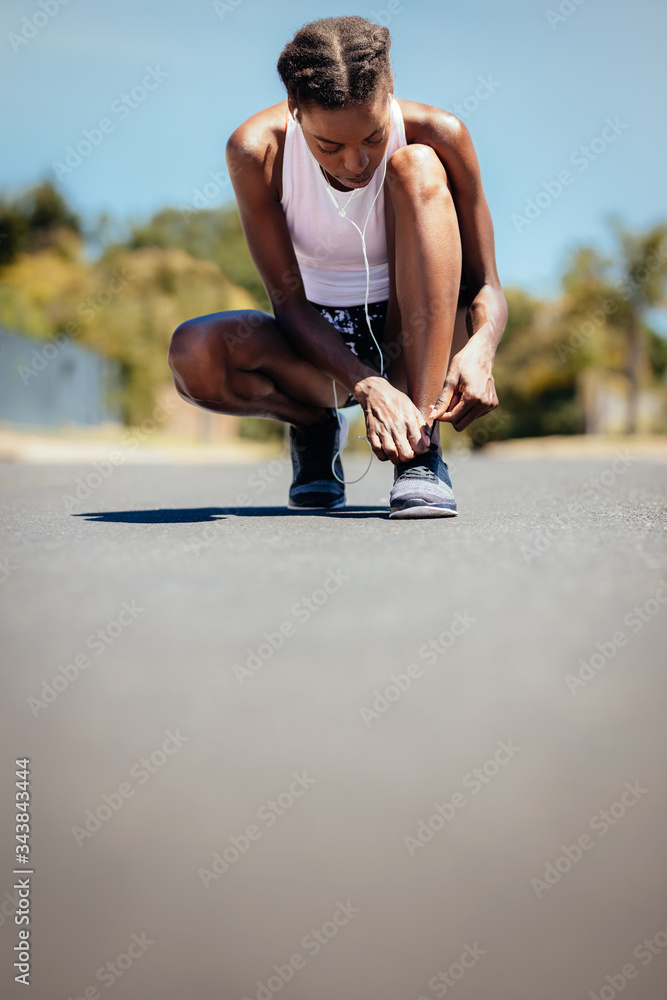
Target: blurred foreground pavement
point(336, 756)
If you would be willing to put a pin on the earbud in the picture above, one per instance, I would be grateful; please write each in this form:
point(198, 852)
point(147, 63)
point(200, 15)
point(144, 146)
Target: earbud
point(295, 117)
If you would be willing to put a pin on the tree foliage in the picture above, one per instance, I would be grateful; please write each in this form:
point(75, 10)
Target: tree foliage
point(537, 392)
point(607, 305)
point(184, 263)
point(37, 218)
point(210, 234)
point(125, 305)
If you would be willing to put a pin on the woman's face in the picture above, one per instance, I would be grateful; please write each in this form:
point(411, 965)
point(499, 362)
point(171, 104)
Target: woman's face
point(349, 143)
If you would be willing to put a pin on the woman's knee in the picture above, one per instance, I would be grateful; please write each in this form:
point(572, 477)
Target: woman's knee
point(189, 356)
point(417, 171)
point(198, 358)
point(204, 350)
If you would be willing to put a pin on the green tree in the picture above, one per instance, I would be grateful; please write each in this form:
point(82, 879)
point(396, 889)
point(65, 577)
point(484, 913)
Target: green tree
point(37, 218)
point(210, 234)
point(607, 305)
point(537, 393)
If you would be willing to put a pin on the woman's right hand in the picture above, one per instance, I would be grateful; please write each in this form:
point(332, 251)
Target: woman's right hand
point(396, 429)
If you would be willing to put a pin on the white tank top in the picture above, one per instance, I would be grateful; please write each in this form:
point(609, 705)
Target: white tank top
point(328, 248)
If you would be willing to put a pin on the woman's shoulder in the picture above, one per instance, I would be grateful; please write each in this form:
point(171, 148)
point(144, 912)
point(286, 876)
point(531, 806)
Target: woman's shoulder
point(262, 134)
point(425, 123)
point(259, 141)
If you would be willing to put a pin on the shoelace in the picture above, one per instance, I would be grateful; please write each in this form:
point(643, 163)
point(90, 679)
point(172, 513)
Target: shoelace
point(424, 467)
point(418, 472)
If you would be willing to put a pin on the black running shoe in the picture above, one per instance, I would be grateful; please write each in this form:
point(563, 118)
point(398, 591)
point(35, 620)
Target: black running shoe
point(312, 448)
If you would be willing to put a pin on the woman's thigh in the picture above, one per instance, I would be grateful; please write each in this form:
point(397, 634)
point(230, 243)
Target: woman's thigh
point(351, 324)
point(240, 352)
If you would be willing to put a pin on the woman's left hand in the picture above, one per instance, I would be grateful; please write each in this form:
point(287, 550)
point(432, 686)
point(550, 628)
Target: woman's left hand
point(469, 390)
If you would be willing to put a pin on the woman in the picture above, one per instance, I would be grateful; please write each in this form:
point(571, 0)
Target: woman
point(349, 197)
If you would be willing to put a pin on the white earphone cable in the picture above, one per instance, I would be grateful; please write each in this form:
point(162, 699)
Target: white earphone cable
point(343, 214)
point(362, 233)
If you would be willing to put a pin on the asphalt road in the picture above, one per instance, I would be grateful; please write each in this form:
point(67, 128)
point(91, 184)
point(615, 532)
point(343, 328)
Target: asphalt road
point(337, 756)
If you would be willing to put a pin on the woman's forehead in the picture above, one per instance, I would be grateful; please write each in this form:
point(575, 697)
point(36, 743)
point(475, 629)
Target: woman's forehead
point(363, 118)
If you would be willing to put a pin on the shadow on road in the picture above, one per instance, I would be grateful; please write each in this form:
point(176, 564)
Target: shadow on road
point(192, 514)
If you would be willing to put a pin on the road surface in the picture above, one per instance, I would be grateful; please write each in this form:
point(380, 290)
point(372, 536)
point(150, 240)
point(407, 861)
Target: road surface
point(335, 756)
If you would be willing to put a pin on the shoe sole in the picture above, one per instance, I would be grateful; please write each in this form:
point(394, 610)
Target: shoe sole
point(421, 510)
point(334, 506)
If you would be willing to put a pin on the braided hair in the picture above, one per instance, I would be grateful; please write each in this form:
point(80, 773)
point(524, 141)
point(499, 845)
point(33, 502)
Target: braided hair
point(336, 62)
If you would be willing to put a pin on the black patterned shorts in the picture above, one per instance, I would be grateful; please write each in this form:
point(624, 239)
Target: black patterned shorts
point(350, 321)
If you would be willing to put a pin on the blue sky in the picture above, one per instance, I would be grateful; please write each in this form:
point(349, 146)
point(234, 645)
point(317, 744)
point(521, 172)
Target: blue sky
point(554, 82)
